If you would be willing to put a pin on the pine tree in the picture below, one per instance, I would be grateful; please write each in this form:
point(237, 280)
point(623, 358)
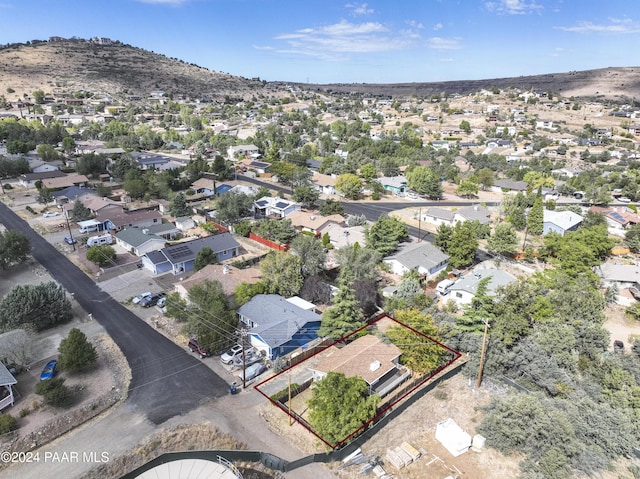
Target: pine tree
point(179, 206)
point(80, 212)
point(535, 220)
point(344, 317)
point(76, 353)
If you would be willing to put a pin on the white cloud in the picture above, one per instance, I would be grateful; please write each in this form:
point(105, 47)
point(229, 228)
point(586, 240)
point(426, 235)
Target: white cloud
point(437, 26)
point(512, 7)
point(414, 24)
point(359, 9)
point(615, 26)
point(335, 42)
point(439, 43)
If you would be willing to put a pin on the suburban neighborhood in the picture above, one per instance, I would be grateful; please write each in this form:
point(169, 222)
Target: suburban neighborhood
point(336, 259)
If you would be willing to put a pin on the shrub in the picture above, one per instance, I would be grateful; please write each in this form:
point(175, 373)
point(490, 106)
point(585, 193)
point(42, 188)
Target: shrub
point(54, 392)
point(8, 186)
point(243, 228)
point(8, 423)
point(76, 353)
point(24, 412)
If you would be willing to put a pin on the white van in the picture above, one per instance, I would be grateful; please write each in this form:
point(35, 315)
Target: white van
point(88, 229)
point(100, 240)
point(443, 286)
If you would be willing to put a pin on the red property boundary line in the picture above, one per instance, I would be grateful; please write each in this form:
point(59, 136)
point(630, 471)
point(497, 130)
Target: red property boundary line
point(383, 411)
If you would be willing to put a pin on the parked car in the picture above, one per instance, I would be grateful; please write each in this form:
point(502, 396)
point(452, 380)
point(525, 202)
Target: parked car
point(232, 353)
point(51, 214)
point(250, 357)
point(161, 302)
point(49, 370)
point(194, 347)
point(624, 199)
point(140, 297)
point(152, 300)
point(69, 240)
point(252, 372)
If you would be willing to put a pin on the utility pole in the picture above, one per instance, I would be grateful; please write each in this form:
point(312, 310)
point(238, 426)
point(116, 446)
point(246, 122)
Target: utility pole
point(243, 335)
point(289, 402)
point(484, 345)
point(419, 225)
point(73, 243)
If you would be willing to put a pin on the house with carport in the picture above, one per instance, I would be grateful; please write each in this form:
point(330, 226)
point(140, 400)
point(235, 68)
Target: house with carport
point(277, 326)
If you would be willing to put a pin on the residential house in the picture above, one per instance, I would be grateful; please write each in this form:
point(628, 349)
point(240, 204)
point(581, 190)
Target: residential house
point(341, 237)
point(618, 218)
point(395, 184)
point(278, 326)
point(621, 275)
point(473, 213)
point(94, 203)
point(567, 172)
point(313, 221)
point(509, 185)
point(6, 382)
point(228, 276)
point(114, 220)
point(65, 181)
point(368, 358)
point(560, 222)
point(38, 166)
point(241, 151)
point(179, 258)
point(268, 206)
point(28, 180)
point(167, 231)
point(325, 184)
point(547, 124)
point(437, 216)
point(71, 194)
point(204, 186)
point(260, 167)
point(139, 240)
point(422, 257)
point(463, 290)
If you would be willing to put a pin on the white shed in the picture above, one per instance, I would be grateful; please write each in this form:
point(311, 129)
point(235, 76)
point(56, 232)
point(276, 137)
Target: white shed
point(452, 437)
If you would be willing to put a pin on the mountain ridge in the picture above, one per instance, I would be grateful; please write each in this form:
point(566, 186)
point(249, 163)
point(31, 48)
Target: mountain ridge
point(123, 70)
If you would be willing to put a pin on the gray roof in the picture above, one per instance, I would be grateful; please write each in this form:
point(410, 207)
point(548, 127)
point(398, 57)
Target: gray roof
point(622, 273)
point(276, 318)
point(156, 257)
point(511, 185)
point(439, 213)
point(413, 255)
point(6, 377)
point(475, 213)
point(563, 219)
point(162, 228)
point(469, 283)
point(136, 236)
point(188, 250)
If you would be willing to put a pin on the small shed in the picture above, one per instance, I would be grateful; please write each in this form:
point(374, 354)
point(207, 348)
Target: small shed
point(6, 392)
point(452, 437)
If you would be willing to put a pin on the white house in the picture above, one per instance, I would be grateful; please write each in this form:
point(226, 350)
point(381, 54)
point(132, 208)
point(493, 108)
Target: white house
point(560, 222)
point(270, 206)
point(463, 290)
point(423, 257)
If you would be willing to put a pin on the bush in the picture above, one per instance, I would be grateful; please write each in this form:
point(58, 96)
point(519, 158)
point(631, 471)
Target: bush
point(24, 412)
point(54, 392)
point(76, 353)
point(8, 423)
point(8, 186)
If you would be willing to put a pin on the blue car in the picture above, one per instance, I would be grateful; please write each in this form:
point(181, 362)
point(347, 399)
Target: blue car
point(49, 370)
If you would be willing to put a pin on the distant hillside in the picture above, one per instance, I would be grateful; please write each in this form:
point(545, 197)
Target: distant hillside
point(122, 70)
point(619, 85)
point(116, 69)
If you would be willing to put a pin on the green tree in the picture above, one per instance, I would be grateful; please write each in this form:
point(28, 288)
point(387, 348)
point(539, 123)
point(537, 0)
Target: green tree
point(14, 248)
point(245, 291)
point(45, 196)
point(47, 152)
point(331, 207)
point(68, 145)
point(80, 212)
point(535, 218)
point(467, 188)
point(76, 352)
point(204, 257)
point(419, 353)
point(479, 310)
point(102, 255)
point(8, 423)
point(343, 317)
point(357, 263)
point(54, 392)
point(385, 234)
point(632, 238)
point(208, 316)
point(38, 306)
point(38, 97)
point(179, 206)
point(485, 178)
point(463, 245)
point(282, 273)
point(311, 252)
point(136, 188)
point(444, 233)
point(281, 231)
point(368, 172)
point(504, 240)
point(349, 185)
point(307, 196)
point(91, 164)
point(232, 207)
point(465, 126)
point(424, 181)
point(340, 405)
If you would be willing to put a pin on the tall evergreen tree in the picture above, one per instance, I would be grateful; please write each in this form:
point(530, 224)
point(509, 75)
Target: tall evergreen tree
point(179, 206)
point(344, 317)
point(76, 352)
point(535, 220)
point(80, 212)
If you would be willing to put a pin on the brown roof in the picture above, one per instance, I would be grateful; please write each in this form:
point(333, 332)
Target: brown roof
point(313, 220)
point(64, 181)
point(229, 281)
point(123, 218)
point(323, 180)
point(357, 358)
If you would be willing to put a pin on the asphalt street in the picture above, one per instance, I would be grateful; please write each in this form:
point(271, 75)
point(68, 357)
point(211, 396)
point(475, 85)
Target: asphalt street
point(166, 380)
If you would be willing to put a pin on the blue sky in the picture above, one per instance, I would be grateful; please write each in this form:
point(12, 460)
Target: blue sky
point(329, 41)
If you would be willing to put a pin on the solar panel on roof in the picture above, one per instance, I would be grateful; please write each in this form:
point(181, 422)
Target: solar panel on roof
point(259, 164)
point(617, 217)
point(223, 188)
point(281, 204)
point(261, 203)
point(180, 252)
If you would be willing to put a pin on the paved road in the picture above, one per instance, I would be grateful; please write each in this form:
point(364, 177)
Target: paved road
point(166, 380)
